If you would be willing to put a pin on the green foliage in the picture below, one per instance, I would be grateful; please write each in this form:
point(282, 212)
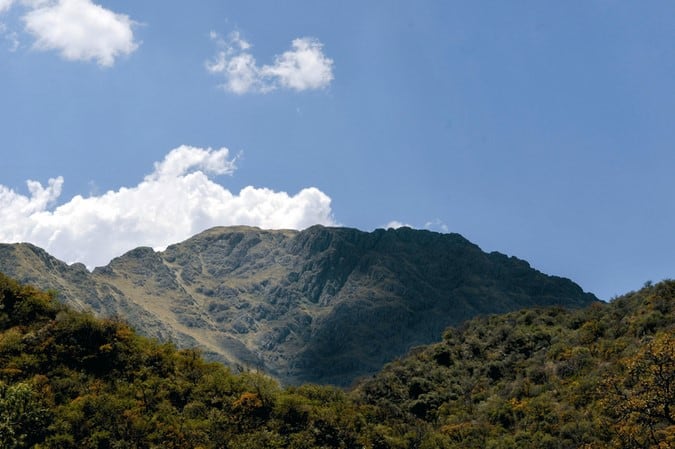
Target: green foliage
point(599, 377)
point(23, 417)
point(23, 304)
point(540, 378)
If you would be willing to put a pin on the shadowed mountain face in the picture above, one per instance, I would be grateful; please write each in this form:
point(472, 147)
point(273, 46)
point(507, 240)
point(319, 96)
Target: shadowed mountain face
point(323, 305)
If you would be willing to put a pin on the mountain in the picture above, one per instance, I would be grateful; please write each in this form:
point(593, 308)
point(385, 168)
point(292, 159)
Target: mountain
point(541, 378)
point(324, 305)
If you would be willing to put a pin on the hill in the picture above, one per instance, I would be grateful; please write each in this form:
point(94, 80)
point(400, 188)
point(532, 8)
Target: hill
point(322, 305)
point(598, 377)
point(541, 378)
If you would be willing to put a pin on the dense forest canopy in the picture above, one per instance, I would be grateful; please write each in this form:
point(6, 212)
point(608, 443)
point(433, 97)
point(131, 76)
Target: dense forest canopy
point(540, 378)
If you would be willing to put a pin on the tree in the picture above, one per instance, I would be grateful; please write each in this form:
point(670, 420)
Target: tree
point(642, 397)
point(23, 419)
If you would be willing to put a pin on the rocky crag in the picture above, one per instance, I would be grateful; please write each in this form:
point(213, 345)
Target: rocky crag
point(324, 305)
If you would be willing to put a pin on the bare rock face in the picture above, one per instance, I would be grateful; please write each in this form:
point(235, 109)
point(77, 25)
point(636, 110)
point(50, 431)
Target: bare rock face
point(324, 305)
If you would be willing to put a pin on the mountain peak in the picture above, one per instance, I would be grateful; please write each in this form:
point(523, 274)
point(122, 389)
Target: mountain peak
point(325, 304)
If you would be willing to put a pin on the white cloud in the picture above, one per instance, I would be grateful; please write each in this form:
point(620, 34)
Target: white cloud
point(177, 200)
point(5, 5)
point(436, 225)
point(395, 224)
point(304, 67)
point(80, 30)
point(433, 225)
point(185, 158)
point(239, 68)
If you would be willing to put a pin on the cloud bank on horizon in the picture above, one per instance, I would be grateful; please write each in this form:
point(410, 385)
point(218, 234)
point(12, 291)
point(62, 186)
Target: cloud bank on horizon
point(175, 201)
point(78, 29)
point(304, 67)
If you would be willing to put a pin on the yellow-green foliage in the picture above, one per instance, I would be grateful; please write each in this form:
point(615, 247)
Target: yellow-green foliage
point(549, 378)
point(69, 380)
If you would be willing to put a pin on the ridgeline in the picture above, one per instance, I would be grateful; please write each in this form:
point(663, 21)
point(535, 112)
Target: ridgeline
point(323, 305)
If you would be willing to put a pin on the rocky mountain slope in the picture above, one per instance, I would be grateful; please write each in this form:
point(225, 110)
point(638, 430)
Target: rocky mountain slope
point(322, 305)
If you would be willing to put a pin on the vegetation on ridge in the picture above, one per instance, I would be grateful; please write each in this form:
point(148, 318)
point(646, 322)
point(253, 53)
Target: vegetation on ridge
point(549, 378)
point(542, 378)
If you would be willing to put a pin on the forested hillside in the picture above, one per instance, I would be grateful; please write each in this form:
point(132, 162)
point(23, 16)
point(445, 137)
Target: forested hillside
point(541, 378)
point(550, 378)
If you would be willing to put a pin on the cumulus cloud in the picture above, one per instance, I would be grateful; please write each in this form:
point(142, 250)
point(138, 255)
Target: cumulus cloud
point(395, 224)
point(175, 201)
point(80, 30)
point(304, 67)
point(432, 225)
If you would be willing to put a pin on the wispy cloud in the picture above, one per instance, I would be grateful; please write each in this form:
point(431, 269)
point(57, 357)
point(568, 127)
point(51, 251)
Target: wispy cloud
point(436, 225)
point(176, 200)
point(80, 30)
point(10, 37)
point(303, 67)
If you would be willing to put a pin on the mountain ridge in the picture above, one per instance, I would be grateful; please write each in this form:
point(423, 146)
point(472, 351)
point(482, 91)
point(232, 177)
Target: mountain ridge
point(320, 305)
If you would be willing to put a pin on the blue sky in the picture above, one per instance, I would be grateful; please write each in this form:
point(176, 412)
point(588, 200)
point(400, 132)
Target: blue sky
point(542, 130)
